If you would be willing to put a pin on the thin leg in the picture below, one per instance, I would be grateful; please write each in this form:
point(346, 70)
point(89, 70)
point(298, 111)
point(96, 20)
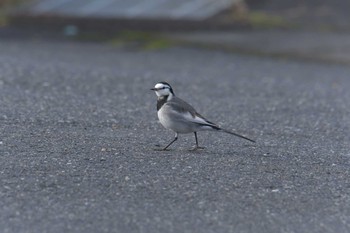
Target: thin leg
point(197, 146)
point(195, 135)
point(171, 142)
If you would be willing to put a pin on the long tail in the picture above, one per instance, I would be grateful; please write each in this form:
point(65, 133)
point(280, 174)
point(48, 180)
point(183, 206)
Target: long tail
point(238, 135)
point(216, 127)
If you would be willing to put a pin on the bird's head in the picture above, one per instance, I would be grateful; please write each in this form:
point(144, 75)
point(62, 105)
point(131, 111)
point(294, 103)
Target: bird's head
point(163, 89)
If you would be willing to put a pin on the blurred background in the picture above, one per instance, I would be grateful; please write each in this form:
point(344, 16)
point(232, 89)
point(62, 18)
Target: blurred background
point(106, 15)
point(313, 29)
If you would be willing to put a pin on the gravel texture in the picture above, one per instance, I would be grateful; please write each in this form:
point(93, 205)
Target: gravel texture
point(78, 131)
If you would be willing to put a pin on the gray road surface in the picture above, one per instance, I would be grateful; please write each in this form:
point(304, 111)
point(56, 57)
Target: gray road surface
point(331, 47)
point(78, 132)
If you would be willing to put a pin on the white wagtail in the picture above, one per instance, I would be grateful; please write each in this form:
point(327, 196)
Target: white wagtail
point(179, 116)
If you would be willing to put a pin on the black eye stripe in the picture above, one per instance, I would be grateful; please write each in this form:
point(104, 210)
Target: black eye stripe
point(163, 87)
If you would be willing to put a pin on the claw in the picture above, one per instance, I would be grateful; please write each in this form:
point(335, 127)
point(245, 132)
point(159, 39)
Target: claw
point(161, 149)
point(197, 148)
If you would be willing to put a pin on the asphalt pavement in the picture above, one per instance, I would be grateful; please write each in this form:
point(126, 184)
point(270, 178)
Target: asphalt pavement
point(320, 46)
point(79, 127)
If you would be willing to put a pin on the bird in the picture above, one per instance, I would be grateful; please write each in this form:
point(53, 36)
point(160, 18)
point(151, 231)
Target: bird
point(179, 116)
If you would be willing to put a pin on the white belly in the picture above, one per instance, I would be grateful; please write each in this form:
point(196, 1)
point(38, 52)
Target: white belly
point(170, 121)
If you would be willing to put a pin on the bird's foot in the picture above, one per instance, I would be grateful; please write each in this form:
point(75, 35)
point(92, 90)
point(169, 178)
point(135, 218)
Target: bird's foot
point(197, 148)
point(160, 149)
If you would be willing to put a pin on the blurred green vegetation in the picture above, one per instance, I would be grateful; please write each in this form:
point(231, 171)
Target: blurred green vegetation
point(5, 6)
point(262, 20)
point(148, 41)
point(130, 39)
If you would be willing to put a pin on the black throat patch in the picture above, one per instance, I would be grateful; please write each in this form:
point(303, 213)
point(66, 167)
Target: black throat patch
point(161, 101)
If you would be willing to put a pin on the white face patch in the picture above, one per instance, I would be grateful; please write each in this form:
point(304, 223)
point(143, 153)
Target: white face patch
point(163, 90)
point(159, 85)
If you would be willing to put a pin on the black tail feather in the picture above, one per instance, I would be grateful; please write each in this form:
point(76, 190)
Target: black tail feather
point(213, 126)
point(238, 135)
